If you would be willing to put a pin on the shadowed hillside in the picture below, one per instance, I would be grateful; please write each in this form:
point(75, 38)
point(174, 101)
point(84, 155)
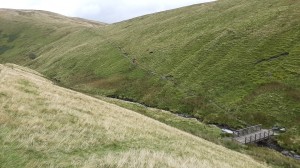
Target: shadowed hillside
point(232, 62)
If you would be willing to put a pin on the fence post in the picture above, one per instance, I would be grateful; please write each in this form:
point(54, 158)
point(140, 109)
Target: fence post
point(260, 127)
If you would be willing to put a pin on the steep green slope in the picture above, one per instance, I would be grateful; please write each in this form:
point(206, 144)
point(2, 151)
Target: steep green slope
point(233, 62)
point(66, 50)
point(215, 50)
point(43, 125)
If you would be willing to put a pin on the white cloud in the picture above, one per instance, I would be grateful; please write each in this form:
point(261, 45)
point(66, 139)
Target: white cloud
point(101, 10)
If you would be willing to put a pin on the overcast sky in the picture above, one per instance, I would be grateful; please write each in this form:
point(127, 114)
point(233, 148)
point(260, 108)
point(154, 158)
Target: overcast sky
point(108, 11)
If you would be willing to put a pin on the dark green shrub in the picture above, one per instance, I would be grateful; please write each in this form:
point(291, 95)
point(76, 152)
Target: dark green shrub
point(32, 56)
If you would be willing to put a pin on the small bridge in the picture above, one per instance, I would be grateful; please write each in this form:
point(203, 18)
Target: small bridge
point(252, 134)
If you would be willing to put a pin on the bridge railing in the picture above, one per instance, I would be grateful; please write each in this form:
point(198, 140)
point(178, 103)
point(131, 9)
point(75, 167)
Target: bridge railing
point(248, 130)
point(259, 136)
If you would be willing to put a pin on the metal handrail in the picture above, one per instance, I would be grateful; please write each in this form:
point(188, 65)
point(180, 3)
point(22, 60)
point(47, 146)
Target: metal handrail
point(247, 130)
point(255, 137)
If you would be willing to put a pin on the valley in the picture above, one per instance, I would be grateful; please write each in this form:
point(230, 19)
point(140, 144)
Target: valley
point(230, 62)
point(44, 125)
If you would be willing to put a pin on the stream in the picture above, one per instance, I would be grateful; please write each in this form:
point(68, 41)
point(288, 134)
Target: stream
point(268, 143)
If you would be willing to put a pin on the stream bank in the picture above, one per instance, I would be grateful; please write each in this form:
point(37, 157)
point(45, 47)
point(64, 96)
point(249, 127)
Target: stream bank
point(270, 143)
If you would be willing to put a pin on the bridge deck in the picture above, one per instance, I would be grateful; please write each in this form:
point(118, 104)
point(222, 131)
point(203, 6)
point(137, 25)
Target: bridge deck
point(255, 136)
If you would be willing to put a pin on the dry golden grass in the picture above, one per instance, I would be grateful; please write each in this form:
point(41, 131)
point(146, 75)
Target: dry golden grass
point(51, 126)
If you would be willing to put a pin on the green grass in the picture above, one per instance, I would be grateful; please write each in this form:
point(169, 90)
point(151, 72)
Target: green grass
point(210, 133)
point(193, 126)
point(62, 128)
point(210, 51)
point(200, 60)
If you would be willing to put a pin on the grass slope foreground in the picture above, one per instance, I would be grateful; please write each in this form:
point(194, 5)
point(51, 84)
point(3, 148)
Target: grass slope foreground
point(43, 125)
point(231, 62)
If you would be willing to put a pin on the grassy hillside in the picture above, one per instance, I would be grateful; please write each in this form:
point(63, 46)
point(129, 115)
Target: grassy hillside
point(43, 125)
point(67, 51)
point(208, 132)
point(233, 62)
